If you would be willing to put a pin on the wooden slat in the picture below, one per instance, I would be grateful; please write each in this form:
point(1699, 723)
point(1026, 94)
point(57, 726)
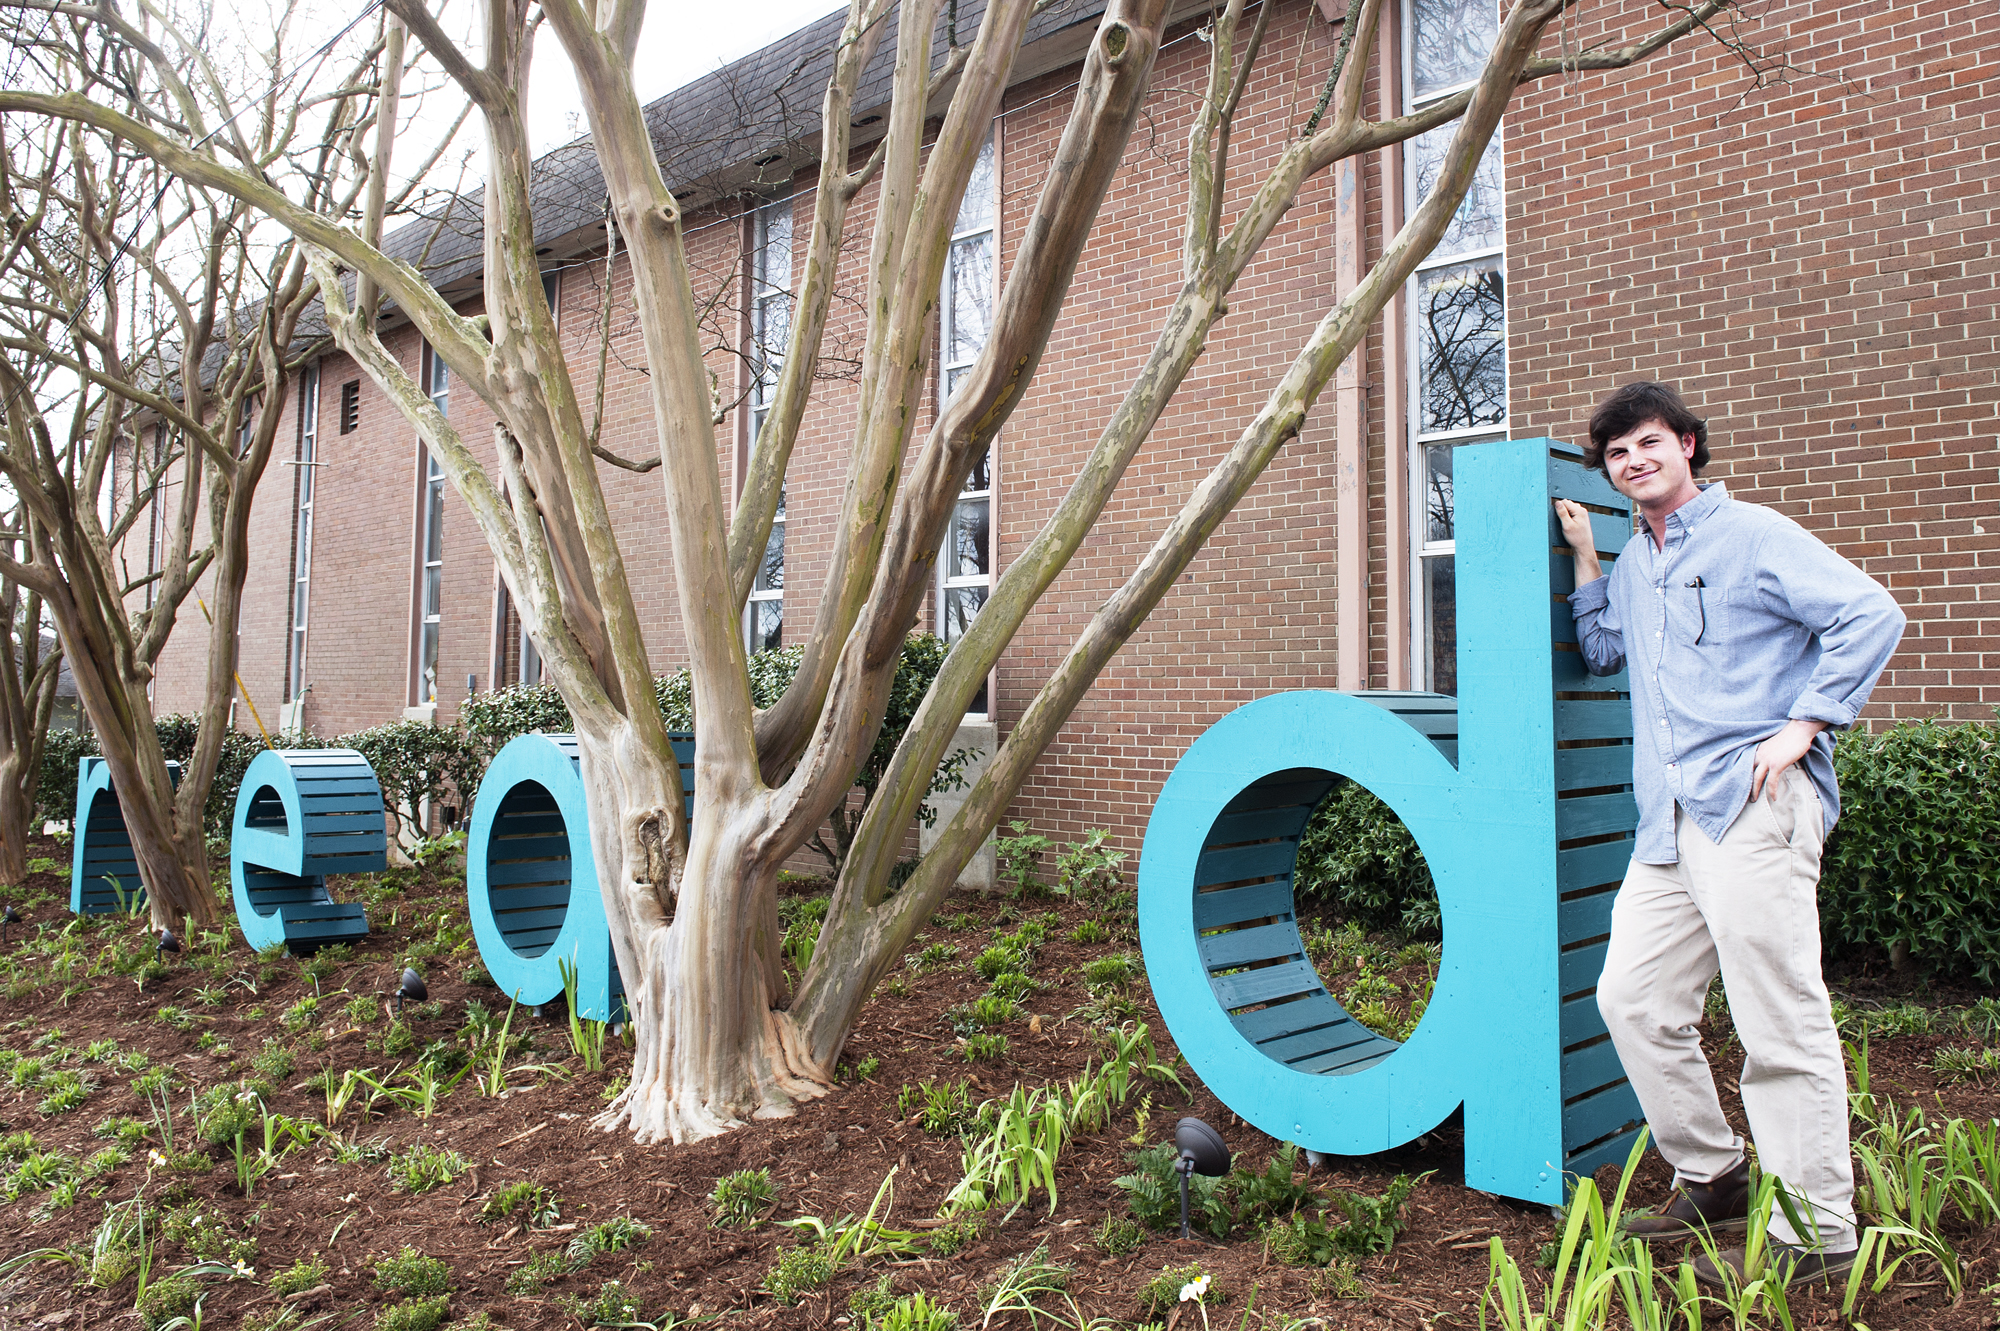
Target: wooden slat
point(1614, 1151)
point(1256, 825)
point(1590, 866)
point(1586, 769)
point(1236, 904)
point(1571, 676)
point(1590, 1068)
point(1580, 1020)
point(1258, 861)
point(533, 871)
point(1586, 485)
point(1579, 968)
point(1610, 1110)
point(1239, 947)
point(1306, 792)
point(363, 803)
point(1282, 1019)
point(514, 922)
point(1349, 1060)
point(1593, 720)
point(1313, 1044)
point(1584, 917)
point(528, 848)
point(1594, 815)
point(536, 894)
point(1264, 984)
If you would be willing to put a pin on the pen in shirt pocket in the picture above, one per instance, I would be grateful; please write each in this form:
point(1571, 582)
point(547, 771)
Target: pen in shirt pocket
point(1700, 609)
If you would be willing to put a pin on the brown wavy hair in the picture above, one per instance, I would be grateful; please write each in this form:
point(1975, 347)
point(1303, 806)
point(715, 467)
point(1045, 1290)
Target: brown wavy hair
point(1635, 404)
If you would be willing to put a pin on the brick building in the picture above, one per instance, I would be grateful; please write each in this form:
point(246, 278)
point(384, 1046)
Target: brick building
point(1811, 260)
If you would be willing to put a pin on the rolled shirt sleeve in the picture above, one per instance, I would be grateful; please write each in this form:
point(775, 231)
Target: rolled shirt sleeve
point(1858, 624)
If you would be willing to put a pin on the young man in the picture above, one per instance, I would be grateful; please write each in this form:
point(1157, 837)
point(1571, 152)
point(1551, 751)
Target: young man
point(1746, 641)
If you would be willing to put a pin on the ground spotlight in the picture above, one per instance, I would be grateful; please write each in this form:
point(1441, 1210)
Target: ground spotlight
point(1202, 1152)
point(168, 943)
point(412, 988)
point(8, 919)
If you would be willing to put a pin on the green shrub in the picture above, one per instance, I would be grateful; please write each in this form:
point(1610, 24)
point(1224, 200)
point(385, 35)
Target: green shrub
point(985, 1048)
point(166, 1299)
point(1914, 863)
point(302, 1275)
point(528, 1278)
point(1119, 1237)
point(412, 1273)
point(798, 1271)
point(1357, 858)
point(536, 1205)
point(614, 1235)
point(416, 1315)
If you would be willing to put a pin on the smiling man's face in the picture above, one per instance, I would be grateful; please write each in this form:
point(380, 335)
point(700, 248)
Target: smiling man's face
point(1652, 466)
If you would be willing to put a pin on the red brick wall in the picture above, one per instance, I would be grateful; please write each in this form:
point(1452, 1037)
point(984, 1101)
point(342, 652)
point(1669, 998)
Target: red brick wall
point(1814, 265)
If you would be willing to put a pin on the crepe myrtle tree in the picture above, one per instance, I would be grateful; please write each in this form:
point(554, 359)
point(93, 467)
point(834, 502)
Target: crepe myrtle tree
point(691, 900)
point(149, 338)
point(30, 667)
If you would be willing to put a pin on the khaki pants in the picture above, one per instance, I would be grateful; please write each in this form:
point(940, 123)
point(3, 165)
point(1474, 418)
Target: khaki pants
point(1749, 908)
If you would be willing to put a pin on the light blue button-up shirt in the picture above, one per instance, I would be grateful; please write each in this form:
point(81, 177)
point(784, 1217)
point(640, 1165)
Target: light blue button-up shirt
point(1740, 621)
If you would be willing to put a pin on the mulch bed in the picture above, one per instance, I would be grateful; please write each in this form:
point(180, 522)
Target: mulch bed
point(828, 1160)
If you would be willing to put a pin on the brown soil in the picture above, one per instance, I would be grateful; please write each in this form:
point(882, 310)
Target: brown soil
point(828, 1160)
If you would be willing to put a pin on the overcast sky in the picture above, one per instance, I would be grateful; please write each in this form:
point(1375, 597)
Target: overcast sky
point(683, 40)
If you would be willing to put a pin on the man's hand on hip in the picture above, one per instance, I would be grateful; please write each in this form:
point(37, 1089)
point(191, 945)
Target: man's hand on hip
point(1780, 751)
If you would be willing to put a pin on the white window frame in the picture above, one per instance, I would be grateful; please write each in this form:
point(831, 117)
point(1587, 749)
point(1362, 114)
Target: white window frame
point(427, 626)
point(1424, 551)
point(769, 291)
point(947, 580)
point(302, 531)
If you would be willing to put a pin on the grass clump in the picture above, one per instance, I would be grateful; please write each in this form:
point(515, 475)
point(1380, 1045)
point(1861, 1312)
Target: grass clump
point(302, 1275)
point(742, 1198)
point(612, 1305)
point(1119, 1237)
point(614, 1235)
point(985, 1048)
point(539, 1270)
point(166, 1299)
point(942, 1108)
point(424, 1167)
point(536, 1205)
point(412, 1273)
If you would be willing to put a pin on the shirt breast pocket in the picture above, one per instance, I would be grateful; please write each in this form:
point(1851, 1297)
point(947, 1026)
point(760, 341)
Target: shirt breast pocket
point(1697, 616)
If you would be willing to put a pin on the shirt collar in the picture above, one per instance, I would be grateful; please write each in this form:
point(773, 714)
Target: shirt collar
point(1689, 515)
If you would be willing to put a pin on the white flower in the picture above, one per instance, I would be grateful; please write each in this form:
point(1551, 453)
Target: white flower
point(246, 1098)
point(155, 1160)
point(1195, 1290)
point(245, 1270)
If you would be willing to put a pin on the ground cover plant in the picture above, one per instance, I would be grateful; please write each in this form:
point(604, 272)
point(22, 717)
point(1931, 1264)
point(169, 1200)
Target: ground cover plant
point(867, 1205)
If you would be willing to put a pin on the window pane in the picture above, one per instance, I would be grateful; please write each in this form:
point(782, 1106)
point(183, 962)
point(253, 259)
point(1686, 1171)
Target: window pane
point(971, 297)
point(982, 473)
point(432, 586)
point(774, 257)
point(1443, 596)
point(970, 540)
point(1462, 347)
point(953, 378)
point(975, 210)
point(774, 331)
point(961, 607)
point(427, 675)
point(1449, 40)
point(1438, 510)
point(1479, 223)
point(767, 626)
point(434, 524)
point(299, 604)
point(771, 569)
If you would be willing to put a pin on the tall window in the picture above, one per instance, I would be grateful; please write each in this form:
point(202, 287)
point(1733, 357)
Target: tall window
point(965, 566)
point(302, 529)
point(430, 544)
point(1458, 323)
point(770, 332)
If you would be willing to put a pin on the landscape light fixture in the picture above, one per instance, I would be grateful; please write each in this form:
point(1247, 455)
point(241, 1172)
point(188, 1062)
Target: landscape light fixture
point(411, 988)
point(1202, 1152)
point(168, 943)
point(8, 919)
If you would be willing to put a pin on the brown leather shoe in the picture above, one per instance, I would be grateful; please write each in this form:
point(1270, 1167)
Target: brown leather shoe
point(1718, 1207)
